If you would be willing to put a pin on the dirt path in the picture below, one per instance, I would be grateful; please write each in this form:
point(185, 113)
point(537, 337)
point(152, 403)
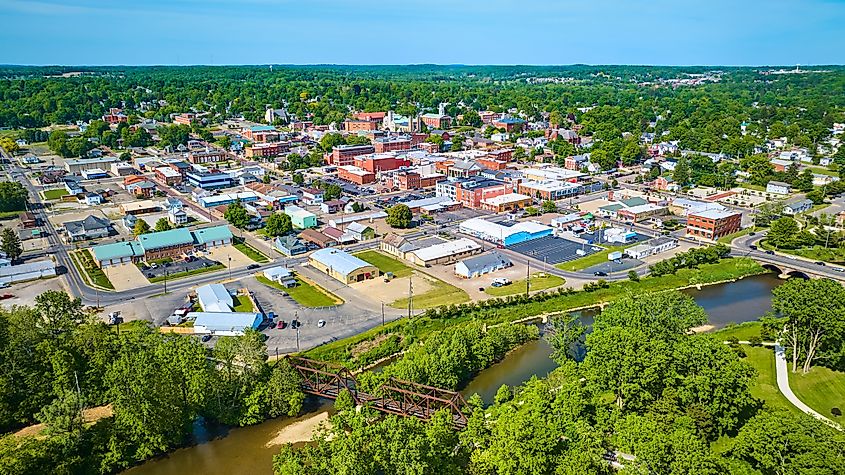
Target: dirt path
point(89, 416)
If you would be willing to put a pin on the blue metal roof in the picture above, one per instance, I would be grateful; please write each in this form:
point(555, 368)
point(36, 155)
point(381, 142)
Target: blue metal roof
point(170, 238)
point(217, 233)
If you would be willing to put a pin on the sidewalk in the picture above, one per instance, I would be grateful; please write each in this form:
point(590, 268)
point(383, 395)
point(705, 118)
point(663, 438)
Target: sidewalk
point(783, 386)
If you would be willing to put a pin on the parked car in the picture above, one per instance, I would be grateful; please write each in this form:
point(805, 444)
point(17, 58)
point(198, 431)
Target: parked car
point(321, 323)
point(253, 266)
point(205, 338)
point(281, 325)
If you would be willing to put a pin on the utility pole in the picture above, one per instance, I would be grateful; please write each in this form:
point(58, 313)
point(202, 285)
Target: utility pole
point(382, 314)
point(410, 294)
point(165, 281)
point(528, 278)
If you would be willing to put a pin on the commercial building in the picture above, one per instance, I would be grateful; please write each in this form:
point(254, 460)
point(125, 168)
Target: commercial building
point(639, 213)
point(210, 180)
point(140, 207)
point(214, 298)
point(415, 181)
point(470, 192)
point(505, 235)
point(301, 218)
point(342, 266)
point(482, 264)
point(152, 246)
point(168, 175)
point(355, 175)
point(507, 202)
point(652, 247)
point(345, 154)
point(397, 245)
point(381, 162)
point(549, 190)
point(266, 150)
point(260, 133)
point(226, 199)
point(778, 188)
point(208, 156)
point(391, 144)
point(436, 121)
point(444, 253)
point(797, 207)
point(352, 125)
point(224, 323)
point(509, 124)
point(713, 224)
point(10, 274)
point(79, 165)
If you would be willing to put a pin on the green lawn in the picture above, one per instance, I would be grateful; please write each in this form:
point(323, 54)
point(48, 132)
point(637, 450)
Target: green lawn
point(730, 237)
point(180, 275)
point(441, 294)
point(9, 214)
point(591, 260)
point(821, 389)
point(56, 194)
point(765, 387)
point(242, 304)
point(306, 293)
point(84, 262)
point(538, 282)
point(385, 263)
point(750, 186)
point(823, 171)
point(742, 332)
point(250, 251)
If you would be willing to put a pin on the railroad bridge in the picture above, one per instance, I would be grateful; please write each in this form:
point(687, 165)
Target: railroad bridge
point(395, 396)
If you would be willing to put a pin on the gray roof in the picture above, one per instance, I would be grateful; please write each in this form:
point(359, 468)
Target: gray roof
point(485, 261)
point(90, 223)
point(342, 262)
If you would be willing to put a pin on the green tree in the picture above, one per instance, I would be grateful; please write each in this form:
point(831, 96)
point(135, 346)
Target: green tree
point(330, 141)
point(784, 233)
point(549, 206)
point(278, 224)
point(681, 174)
point(471, 118)
point(10, 244)
point(162, 225)
point(815, 321)
point(298, 179)
point(13, 196)
point(237, 215)
point(566, 338)
point(141, 227)
point(399, 216)
point(532, 211)
point(332, 192)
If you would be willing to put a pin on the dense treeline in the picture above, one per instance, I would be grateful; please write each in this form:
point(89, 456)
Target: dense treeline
point(705, 117)
point(56, 361)
point(690, 259)
point(648, 387)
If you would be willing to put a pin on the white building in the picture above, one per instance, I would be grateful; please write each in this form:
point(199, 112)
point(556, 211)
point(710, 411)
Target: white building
point(482, 264)
point(214, 298)
point(448, 251)
point(778, 188)
point(652, 247)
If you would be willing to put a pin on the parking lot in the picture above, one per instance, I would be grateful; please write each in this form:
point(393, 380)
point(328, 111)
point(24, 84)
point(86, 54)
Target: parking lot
point(177, 266)
point(552, 250)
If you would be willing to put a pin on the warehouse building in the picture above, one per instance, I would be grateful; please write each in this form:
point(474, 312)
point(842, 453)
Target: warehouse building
point(224, 323)
point(10, 274)
point(482, 264)
point(342, 266)
point(214, 298)
point(652, 247)
point(505, 235)
point(444, 253)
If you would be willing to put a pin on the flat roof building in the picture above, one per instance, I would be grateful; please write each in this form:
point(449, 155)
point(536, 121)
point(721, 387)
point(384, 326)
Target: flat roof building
point(443, 253)
point(224, 323)
point(342, 266)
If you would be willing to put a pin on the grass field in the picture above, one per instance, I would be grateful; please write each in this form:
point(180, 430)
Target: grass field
point(242, 304)
point(538, 282)
point(821, 389)
point(250, 251)
point(306, 293)
point(84, 262)
point(750, 186)
point(441, 294)
point(385, 263)
point(56, 194)
point(591, 260)
point(766, 386)
point(9, 214)
point(180, 275)
point(742, 332)
point(730, 237)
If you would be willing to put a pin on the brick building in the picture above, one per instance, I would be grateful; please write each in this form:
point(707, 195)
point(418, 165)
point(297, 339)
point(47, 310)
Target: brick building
point(267, 149)
point(437, 121)
point(713, 223)
point(355, 175)
point(115, 116)
point(261, 133)
point(352, 126)
point(470, 192)
point(391, 144)
point(381, 162)
point(208, 156)
point(345, 154)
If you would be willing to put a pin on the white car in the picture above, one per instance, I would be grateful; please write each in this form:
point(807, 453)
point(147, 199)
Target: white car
point(321, 323)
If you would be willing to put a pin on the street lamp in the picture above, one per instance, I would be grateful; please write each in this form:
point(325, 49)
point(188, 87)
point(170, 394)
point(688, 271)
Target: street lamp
point(230, 267)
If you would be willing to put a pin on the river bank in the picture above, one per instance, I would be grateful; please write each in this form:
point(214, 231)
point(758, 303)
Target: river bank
point(729, 302)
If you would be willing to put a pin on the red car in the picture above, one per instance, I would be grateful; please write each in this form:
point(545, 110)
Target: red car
point(281, 324)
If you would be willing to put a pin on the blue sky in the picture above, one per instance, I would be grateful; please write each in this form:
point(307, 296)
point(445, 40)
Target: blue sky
point(666, 32)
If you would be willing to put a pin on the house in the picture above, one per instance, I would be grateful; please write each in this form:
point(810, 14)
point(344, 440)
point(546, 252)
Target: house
point(360, 232)
point(91, 198)
point(331, 207)
point(281, 275)
point(317, 238)
point(312, 196)
point(797, 207)
point(397, 245)
point(778, 188)
point(482, 264)
point(73, 187)
point(301, 218)
point(341, 237)
point(290, 245)
point(177, 216)
point(342, 266)
point(129, 221)
point(92, 227)
point(663, 183)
